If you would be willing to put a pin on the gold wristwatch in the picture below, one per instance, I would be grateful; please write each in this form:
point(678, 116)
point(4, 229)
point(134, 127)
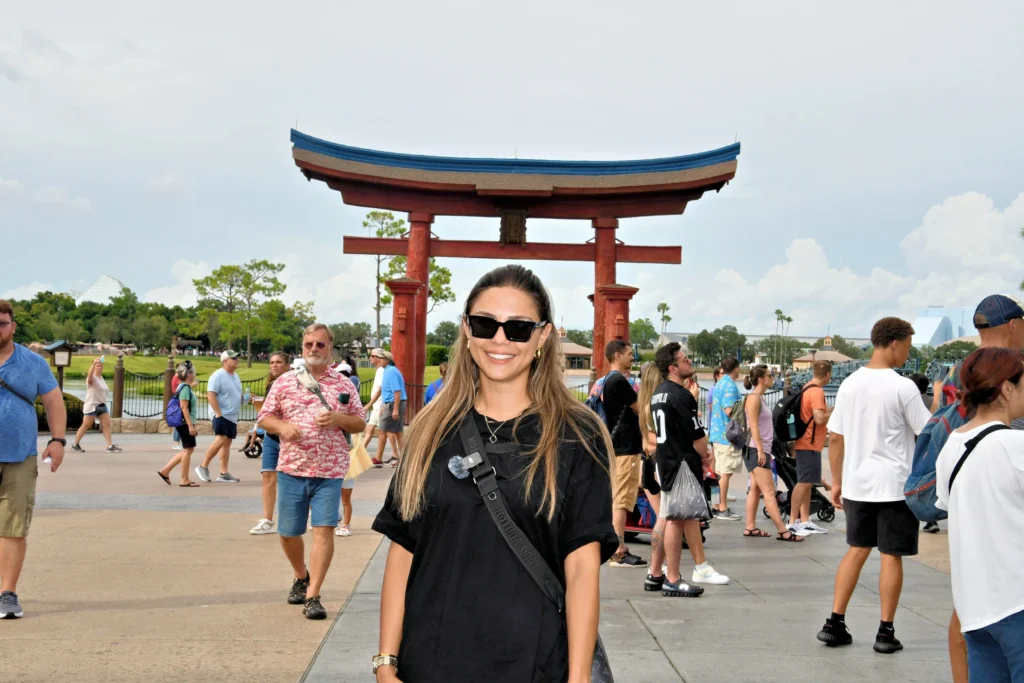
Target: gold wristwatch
point(384, 660)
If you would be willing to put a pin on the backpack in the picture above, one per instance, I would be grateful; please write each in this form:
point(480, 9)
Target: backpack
point(595, 401)
point(173, 415)
point(919, 491)
point(737, 431)
point(787, 421)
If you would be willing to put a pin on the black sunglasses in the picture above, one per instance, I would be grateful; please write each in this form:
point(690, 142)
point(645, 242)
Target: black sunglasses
point(484, 327)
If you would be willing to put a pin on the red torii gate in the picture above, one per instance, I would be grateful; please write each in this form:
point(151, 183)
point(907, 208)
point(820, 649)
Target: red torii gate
point(512, 190)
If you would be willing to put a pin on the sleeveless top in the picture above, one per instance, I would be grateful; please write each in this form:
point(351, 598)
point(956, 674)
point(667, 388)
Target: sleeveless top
point(95, 394)
point(764, 426)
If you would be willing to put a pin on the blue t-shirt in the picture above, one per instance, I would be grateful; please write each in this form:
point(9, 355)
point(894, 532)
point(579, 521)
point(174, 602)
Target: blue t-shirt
point(228, 388)
point(393, 381)
point(30, 376)
point(432, 390)
point(725, 395)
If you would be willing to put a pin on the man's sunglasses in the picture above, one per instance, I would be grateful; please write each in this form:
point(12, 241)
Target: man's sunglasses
point(309, 345)
point(484, 327)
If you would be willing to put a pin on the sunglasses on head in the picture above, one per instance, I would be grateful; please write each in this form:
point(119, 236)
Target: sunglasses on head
point(484, 327)
point(309, 345)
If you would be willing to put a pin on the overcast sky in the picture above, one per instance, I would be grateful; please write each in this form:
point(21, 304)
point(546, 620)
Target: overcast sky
point(882, 167)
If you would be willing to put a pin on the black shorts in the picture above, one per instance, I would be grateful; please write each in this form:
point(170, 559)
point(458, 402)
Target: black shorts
point(187, 440)
point(648, 480)
point(808, 467)
point(750, 459)
point(890, 526)
point(225, 427)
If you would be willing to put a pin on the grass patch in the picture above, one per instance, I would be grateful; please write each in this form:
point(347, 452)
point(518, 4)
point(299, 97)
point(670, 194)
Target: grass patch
point(152, 365)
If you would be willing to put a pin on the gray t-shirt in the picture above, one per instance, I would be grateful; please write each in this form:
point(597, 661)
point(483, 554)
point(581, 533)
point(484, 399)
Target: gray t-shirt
point(228, 388)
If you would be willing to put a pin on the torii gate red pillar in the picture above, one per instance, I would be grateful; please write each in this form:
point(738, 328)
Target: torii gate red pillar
point(417, 267)
point(604, 275)
point(617, 298)
point(403, 332)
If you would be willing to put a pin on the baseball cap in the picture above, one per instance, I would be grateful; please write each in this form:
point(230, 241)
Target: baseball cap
point(997, 310)
point(343, 367)
point(228, 354)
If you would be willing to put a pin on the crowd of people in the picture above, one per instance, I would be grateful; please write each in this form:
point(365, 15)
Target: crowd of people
point(506, 479)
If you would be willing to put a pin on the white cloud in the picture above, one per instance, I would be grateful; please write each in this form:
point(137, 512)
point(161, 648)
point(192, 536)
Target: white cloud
point(26, 291)
point(10, 186)
point(182, 292)
point(60, 196)
point(166, 182)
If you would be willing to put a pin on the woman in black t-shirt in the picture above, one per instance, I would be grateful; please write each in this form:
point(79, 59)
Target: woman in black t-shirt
point(456, 603)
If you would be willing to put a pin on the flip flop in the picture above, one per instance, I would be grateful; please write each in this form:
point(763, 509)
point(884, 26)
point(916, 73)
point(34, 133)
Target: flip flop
point(167, 480)
point(190, 485)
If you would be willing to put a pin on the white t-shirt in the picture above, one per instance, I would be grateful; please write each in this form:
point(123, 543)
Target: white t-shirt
point(986, 537)
point(378, 381)
point(878, 413)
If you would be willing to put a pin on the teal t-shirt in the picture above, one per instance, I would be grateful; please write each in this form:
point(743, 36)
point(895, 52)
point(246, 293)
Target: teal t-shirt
point(726, 393)
point(185, 393)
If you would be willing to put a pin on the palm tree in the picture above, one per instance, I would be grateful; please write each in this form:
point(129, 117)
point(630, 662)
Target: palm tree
point(663, 308)
point(778, 322)
point(786, 354)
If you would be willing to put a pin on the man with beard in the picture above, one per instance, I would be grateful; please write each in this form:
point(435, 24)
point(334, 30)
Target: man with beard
point(313, 462)
point(682, 443)
point(24, 376)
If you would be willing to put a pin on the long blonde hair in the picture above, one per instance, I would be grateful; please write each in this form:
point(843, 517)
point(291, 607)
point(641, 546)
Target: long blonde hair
point(650, 379)
point(558, 410)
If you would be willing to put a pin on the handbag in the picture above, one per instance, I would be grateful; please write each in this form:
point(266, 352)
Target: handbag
point(686, 499)
point(485, 478)
point(11, 389)
point(359, 460)
point(737, 432)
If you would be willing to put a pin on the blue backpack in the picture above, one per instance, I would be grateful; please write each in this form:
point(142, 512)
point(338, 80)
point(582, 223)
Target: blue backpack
point(919, 491)
point(173, 416)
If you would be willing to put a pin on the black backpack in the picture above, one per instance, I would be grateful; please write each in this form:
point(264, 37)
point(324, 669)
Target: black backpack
point(786, 419)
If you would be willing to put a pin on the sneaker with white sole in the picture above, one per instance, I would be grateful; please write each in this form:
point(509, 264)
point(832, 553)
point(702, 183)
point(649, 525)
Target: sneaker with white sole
point(710, 576)
point(77, 449)
point(228, 478)
point(265, 526)
point(176, 446)
point(10, 608)
point(203, 473)
point(814, 528)
point(798, 529)
point(113, 448)
point(343, 530)
point(726, 515)
point(626, 559)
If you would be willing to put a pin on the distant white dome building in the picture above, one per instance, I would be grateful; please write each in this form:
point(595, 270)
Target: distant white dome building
point(101, 291)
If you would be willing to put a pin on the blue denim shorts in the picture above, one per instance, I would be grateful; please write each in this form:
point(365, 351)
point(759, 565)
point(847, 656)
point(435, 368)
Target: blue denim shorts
point(298, 497)
point(996, 652)
point(271, 452)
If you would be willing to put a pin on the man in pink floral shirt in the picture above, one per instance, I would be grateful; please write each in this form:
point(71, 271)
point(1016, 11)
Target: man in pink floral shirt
point(314, 460)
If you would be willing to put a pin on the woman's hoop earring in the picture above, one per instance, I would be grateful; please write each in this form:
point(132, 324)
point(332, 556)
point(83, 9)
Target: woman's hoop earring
point(537, 355)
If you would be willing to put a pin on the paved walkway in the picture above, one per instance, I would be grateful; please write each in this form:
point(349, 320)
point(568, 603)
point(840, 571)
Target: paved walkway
point(128, 579)
point(760, 628)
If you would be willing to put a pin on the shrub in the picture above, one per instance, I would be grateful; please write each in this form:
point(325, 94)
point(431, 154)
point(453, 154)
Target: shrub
point(436, 354)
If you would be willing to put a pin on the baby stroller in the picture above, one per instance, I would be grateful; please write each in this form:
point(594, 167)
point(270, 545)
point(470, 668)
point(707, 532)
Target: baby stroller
point(253, 447)
point(786, 468)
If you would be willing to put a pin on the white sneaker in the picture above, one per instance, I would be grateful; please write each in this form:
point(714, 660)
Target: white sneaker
point(265, 526)
point(709, 575)
point(203, 473)
point(343, 530)
point(815, 529)
point(798, 529)
point(176, 446)
point(730, 497)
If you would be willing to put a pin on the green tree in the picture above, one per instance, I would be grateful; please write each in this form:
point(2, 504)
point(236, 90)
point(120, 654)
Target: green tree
point(70, 330)
point(382, 224)
point(581, 337)
point(955, 350)
point(663, 309)
point(149, 332)
point(124, 306)
point(439, 276)
point(346, 334)
point(642, 332)
point(243, 289)
point(107, 330)
point(445, 334)
point(729, 340)
point(704, 345)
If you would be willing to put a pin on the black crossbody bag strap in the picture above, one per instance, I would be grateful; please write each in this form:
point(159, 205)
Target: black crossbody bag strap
point(970, 447)
point(11, 389)
point(479, 466)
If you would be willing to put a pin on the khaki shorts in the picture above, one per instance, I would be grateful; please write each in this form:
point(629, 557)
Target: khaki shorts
point(625, 482)
point(728, 459)
point(375, 414)
point(17, 496)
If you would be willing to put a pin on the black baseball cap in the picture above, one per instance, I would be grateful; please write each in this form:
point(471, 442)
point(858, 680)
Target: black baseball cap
point(996, 310)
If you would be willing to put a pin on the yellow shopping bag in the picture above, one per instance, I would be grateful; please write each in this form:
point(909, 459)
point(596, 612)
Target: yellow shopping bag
point(359, 459)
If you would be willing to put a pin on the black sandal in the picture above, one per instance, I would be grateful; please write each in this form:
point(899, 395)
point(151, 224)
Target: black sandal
point(167, 480)
point(755, 533)
point(190, 485)
point(792, 538)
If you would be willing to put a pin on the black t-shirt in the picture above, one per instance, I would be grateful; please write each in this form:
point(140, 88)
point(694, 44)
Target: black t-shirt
point(472, 612)
point(674, 410)
point(623, 423)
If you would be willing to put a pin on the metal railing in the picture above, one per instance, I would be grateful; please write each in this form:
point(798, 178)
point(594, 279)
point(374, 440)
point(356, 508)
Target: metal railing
point(143, 394)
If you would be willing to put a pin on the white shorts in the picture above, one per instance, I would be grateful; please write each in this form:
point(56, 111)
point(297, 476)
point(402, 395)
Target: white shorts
point(375, 415)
